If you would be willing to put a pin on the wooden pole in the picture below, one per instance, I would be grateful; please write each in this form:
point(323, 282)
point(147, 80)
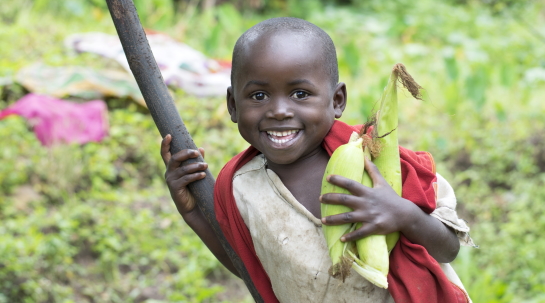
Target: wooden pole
point(165, 115)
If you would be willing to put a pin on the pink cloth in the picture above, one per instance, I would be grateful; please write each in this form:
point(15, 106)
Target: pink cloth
point(59, 121)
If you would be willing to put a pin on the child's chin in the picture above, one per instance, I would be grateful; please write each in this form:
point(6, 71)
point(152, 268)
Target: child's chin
point(280, 159)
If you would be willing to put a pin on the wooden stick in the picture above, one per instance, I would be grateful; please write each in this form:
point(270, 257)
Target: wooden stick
point(166, 117)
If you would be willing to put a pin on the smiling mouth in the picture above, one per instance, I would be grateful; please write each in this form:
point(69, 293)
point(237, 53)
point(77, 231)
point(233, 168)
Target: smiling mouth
point(283, 136)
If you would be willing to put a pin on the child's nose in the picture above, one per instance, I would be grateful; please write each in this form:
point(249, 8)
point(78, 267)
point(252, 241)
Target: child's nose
point(280, 109)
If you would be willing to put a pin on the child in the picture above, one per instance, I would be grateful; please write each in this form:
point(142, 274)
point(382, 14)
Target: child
point(285, 97)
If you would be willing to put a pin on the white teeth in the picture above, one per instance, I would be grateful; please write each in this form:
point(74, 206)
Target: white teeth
point(279, 140)
point(281, 134)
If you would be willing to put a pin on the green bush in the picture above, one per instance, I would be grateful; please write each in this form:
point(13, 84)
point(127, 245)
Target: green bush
point(94, 223)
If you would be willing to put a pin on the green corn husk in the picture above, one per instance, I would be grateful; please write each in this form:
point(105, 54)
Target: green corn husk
point(373, 261)
point(372, 258)
point(388, 162)
point(343, 162)
point(373, 251)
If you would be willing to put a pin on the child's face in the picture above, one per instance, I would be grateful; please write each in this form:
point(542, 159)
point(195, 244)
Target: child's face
point(282, 97)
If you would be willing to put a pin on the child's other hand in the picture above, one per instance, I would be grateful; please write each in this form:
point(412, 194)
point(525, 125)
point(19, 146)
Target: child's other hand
point(380, 208)
point(178, 175)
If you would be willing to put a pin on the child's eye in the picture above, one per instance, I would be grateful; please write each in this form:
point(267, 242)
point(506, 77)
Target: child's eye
point(299, 94)
point(259, 96)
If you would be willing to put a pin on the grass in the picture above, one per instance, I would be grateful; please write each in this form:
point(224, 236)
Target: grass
point(94, 223)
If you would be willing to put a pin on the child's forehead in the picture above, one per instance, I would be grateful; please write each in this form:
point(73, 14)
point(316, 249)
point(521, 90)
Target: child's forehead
point(276, 55)
point(272, 39)
point(282, 46)
point(278, 47)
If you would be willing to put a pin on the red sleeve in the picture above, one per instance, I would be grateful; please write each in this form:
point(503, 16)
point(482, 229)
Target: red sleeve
point(414, 275)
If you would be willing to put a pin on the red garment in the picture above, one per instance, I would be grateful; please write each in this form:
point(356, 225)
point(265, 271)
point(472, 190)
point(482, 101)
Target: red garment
point(414, 275)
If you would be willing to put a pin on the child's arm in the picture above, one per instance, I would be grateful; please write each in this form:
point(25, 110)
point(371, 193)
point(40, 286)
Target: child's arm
point(382, 211)
point(178, 175)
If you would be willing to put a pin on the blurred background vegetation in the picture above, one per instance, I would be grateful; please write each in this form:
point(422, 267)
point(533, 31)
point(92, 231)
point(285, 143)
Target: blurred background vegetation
point(95, 223)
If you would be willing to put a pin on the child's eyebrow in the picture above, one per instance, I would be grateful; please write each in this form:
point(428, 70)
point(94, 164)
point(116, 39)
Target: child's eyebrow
point(255, 82)
point(300, 81)
point(291, 83)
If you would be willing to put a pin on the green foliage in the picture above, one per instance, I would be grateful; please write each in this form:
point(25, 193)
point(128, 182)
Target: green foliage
point(94, 222)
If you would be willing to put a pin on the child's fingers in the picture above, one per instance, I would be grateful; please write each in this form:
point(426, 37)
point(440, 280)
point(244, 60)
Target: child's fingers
point(362, 232)
point(374, 173)
point(180, 157)
point(355, 188)
point(165, 148)
point(201, 150)
point(186, 179)
point(340, 199)
point(188, 169)
point(349, 217)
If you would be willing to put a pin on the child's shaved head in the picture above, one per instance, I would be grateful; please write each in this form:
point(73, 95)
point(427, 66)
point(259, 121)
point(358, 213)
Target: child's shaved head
point(288, 25)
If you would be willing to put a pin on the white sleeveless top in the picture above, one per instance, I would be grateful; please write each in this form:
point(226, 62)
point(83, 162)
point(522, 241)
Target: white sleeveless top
point(290, 244)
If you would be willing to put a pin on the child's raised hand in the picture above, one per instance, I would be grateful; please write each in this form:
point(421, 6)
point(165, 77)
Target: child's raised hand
point(380, 208)
point(178, 175)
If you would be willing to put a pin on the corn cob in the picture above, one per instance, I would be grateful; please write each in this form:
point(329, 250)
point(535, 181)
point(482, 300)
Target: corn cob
point(372, 259)
point(346, 161)
point(388, 162)
point(372, 262)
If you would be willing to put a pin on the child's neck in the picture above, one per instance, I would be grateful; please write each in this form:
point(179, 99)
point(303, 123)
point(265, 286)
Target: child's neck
point(303, 178)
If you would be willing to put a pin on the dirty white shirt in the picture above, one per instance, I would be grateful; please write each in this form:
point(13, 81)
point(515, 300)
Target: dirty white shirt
point(290, 244)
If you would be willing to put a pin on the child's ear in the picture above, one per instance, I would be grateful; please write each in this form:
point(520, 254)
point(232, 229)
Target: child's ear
point(231, 106)
point(339, 99)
